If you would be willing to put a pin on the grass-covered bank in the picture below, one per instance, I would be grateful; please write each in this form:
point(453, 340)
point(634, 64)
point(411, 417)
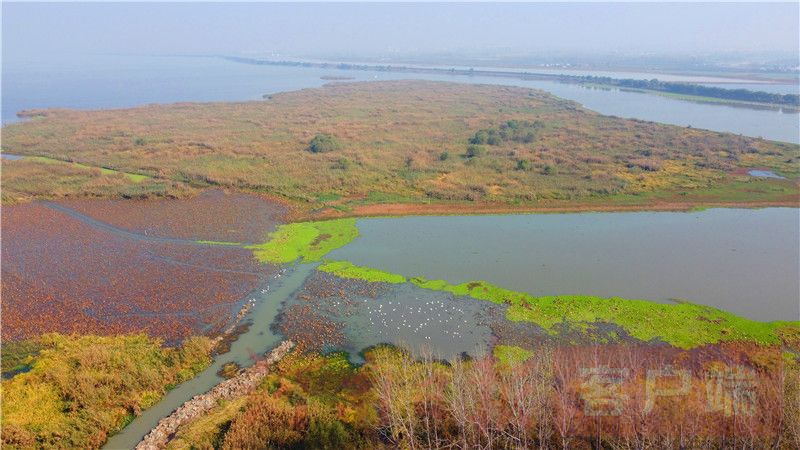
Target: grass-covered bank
point(346, 269)
point(43, 178)
point(739, 192)
point(684, 325)
point(75, 391)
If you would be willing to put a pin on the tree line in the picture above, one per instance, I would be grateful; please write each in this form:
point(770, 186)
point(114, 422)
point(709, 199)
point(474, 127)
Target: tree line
point(699, 90)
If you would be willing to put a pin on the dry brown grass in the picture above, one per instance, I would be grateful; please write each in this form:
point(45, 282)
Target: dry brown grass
point(392, 134)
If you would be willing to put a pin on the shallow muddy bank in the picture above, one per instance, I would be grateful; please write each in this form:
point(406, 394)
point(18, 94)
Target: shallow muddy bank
point(399, 210)
point(331, 313)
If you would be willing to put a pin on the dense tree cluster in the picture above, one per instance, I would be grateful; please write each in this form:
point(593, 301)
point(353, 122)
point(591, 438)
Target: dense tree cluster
point(520, 131)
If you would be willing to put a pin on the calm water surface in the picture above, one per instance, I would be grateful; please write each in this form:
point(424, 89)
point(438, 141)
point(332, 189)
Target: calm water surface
point(765, 174)
point(743, 261)
point(98, 81)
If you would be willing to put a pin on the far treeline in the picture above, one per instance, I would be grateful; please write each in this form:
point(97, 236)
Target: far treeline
point(744, 95)
point(698, 90)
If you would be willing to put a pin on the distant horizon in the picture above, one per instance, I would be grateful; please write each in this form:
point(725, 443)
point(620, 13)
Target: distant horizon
point(330, 30)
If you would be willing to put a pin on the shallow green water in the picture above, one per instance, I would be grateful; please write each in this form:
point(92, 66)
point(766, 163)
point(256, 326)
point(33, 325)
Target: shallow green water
point(745, 261)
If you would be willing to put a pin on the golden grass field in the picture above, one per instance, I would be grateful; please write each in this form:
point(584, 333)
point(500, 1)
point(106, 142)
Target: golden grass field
point(393, 137)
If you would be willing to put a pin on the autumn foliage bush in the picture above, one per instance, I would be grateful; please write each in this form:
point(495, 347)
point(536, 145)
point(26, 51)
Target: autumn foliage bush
point(549, 401)
point(80, 389)
point(605, 396)
point(310, 401)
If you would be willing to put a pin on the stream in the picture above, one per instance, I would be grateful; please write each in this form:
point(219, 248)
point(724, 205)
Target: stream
point(257, 340)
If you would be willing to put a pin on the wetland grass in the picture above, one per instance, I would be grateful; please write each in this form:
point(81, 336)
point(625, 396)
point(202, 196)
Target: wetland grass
point(390, 138)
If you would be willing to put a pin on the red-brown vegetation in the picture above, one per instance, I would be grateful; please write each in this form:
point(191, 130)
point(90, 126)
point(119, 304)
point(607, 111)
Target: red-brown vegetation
point(211, 216)
point(731, 396)
point(578, 397)
point(60, 274)
point(310, 329)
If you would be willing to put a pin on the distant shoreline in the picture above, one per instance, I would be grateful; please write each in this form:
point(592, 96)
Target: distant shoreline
point(688, 91)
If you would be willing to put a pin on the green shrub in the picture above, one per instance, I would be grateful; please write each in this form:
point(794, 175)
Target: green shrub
point(325, 432)
point(473, 151)
point(523, 164)
point(323, 143)
point(343, 164)
point(444, 156)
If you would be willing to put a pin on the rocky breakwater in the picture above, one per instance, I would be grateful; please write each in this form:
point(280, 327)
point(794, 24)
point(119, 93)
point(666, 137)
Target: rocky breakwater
point(242, 384)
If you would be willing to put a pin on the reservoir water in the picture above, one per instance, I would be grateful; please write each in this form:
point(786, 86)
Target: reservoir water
point(114, 81)
point(745, 261)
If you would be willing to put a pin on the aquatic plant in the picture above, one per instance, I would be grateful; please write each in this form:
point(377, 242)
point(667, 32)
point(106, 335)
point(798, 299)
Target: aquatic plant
point(682, 324)
point(511, 355)
point(306, 241)
point(346, 269)
point(92, 281)
point(213, 216)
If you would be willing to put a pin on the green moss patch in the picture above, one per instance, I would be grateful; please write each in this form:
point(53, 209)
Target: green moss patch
point(511, 354)
point(307, 241)
point(345, 269)
point(683, 325)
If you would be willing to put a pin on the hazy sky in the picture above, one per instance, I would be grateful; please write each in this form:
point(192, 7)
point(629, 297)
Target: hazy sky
point(306, 29)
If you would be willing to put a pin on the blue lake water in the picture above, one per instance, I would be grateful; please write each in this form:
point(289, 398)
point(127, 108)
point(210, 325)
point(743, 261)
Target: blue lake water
point(745, 261)
point(108, 81)
point(765, 174)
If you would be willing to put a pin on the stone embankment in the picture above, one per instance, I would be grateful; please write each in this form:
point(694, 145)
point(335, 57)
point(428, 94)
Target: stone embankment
point(228, 332)
point(240, 385)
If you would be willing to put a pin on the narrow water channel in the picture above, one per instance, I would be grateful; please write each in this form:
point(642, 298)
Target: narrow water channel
point(257, 340)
